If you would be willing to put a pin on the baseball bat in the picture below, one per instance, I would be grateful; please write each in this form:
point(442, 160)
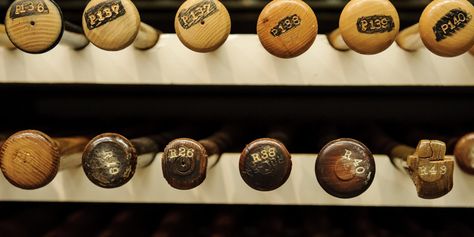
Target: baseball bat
point(30, 159)
point(265, 163)
point(287, 28)
point(445, 28)
point(38, 26)
point(366, 26)
point(115, 24)
point(185, 161)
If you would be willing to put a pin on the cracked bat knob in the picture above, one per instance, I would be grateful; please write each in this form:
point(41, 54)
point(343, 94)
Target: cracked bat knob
point(265, 164)
point(430, 170)
point(184, 163)
point(345, 168)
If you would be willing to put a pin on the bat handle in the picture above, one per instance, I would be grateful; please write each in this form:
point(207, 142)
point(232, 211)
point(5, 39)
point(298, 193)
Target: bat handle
point(70, 150)
point(147, 37)
point(336, 41)
point(146, 148)
point(409, 39)
point(73, 36)
point(472, 50)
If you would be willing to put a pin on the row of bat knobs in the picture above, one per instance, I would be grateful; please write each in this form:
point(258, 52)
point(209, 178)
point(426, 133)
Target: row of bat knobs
point(344, 168)
point(286, 28)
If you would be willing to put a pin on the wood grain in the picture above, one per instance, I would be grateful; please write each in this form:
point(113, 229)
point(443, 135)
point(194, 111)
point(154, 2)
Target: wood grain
point(38, 31)
point(4, 40)
point(455, 36)
point(30, 159)
point(369, 26)
point(115, 32)
point(345, 168)
point(287, 28)
point(202, 25)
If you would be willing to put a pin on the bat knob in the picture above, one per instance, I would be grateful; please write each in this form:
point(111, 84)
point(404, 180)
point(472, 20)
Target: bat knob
point(111, 24)
point(34, 26)
point(184, 163)
point(369, 26)
point(464, 153)
point(109, 160)
point(202, 25)
point(430, 170)
point(265, 164)
point(345, 168)
point(287, 28)
point(29, 159)
point(447, 27)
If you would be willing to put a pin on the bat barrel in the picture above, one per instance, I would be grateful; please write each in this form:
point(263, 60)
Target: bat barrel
point(202, 25)
point(30, 159)
point(287, 28)
point(265, 164)
point(345, 168)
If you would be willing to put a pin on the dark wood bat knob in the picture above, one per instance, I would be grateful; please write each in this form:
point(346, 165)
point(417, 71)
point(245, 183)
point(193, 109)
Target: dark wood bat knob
point(345, 168)
point(109, 160)
point(265, 164)
point(184, 163)
point(29, 159)
point(464, 153)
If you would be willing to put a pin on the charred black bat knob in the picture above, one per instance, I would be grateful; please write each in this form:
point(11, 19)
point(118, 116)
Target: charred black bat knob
point(265, 164)
point(184, 163)
point(109, 160)
point(345, 168)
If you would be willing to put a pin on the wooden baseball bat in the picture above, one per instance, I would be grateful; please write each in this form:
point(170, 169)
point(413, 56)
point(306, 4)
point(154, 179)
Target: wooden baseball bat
point(115, 24)
point(38, 26)
point(110, 159)
point(202, 25)
point(265, 163)
point(345, 168)
point(30, 159)
point(287, 28)
point(445, 27)
point(185, 161)
point(472, 50)
point(366, 26)
point(428, 167)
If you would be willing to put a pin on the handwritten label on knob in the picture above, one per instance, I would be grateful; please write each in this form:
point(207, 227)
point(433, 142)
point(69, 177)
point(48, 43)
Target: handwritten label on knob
point(103, 13)
point(28, 8)
point(375, 24)
point(196, 13)
point(286, 24)
point(449, 24)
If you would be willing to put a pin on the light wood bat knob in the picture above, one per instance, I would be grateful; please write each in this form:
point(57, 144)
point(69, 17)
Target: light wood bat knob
point(345, 168)
point(202, 25)
point(111, 24)
point(369, 26)
point(447, 28)
point(184, 163)
point(287, 28)
point(34, 26)
point(265, 164)
point(29, 159)
point(109, 160)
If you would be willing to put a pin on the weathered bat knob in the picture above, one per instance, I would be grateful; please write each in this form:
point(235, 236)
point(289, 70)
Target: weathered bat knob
point(464, 153)
point(369, 26)
point(447, 28)
point(345, 168)
point(109, 160)
point(184, 163)
point(202, 25)
point(34, 26)
point(430, 170)
point(287, 28)
point(265, 164)
point(29, 159)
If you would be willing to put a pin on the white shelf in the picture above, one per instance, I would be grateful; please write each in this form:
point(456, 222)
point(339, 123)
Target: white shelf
point(240, 61)
point(224, 185)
